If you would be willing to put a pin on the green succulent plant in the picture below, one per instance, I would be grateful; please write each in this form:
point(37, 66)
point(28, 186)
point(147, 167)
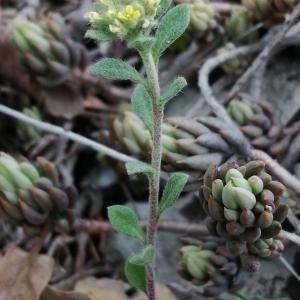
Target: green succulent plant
point(244, 205)
point(268, 10)
point(203, 21)
point(204, 266)
point(254, 120)
point(188, 145)
point(46, 51)
point(30, 195)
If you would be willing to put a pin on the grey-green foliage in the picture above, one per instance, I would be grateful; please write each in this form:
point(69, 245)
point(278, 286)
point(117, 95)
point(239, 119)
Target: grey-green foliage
point(171, 27)
point(115, 69)
point(136, 275)
point(124, 220)
point(142, 106)
point(172, 191)
point(139, 168)
point(176, 86)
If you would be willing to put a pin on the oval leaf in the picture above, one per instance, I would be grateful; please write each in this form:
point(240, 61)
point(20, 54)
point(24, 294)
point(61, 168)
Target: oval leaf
point(124, 220)
point(171, 27)
point(172, 191)
point(138, 168)
point(163, 7)
point(136, 276)
point(144, 257)
point(142, 106)
point(173, 90)
point(115, 69)
point(99, 36)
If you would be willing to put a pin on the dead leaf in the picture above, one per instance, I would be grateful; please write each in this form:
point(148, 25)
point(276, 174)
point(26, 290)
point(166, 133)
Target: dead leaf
point(63, 101)
point(163, 293)
point(22, 278)
point(102, 289)
point(109, 289)
point(51, 293)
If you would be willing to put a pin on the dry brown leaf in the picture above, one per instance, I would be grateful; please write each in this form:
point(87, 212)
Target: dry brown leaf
point(22, 278)
point(102, 289)
point(63, 101)
point(163, 293)
point(109, 289)
point(51, 293)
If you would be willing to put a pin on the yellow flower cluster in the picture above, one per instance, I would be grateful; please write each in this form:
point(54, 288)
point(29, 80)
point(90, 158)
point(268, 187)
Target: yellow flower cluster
point(123, 19)
point(129, 14)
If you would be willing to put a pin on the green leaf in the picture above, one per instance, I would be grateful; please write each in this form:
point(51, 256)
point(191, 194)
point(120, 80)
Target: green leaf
point(173, 90)
point(172, 191)
point(136, 276)
point(115, 69)
point(163, 7)
point(171, 27)
point(142, 42)
point(142, 106)
point(144, 257)
point(138, 168)
point(124, 220)
point(99, 35)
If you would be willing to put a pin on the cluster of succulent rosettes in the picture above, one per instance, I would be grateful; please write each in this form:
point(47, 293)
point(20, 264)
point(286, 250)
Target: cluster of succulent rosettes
point(46, 51)
point(123, 19)
point(255, 120)
point(238, 27)
point(244, 204)
point(236, 65)
point(30, 196)
point(203, 21)
point(29, 132)
point(188, 145)
point(205, 265)
point(269, 10)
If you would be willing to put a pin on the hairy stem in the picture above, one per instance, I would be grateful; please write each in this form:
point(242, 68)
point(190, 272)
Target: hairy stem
point(154, 90)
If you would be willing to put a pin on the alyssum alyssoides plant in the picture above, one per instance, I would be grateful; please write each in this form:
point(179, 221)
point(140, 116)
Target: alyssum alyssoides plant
point(150, 28)
point(31, 196)
point(244, 205)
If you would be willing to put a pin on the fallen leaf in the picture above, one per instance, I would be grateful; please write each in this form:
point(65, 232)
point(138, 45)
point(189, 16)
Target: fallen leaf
point(51, 293)
point(109, 289)
point(63, 101)
point(22, 278)
point(102, 289)
point(163, 293)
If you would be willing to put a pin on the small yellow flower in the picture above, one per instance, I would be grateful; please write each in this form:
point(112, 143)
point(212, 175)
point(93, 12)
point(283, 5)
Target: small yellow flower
point(93, 16)
point(129, 14)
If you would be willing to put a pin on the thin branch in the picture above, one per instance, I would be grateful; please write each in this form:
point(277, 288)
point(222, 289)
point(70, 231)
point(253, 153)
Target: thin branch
point(47, 127)
point(241, 142)
point(289, 268)
point(291, 19)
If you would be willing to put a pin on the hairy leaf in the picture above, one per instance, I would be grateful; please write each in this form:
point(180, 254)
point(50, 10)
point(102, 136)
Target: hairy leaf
point(99, 36)
point(142, 106)
point(173, 90)
point(136, 276)
point(171, 27)
point(124, 220)
point(138, 168)
point(115, 69)
point(172, 191)
point(163, 7)
point(144, 257)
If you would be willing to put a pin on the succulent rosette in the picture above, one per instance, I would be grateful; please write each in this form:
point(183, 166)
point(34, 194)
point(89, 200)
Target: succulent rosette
point(46, 50)
point(189, 146)
point(244, 205)
point(203, 19)
point(268, 10)
point(205, 265)
point(255, 120)
point(30, 196)
point(122, 19)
